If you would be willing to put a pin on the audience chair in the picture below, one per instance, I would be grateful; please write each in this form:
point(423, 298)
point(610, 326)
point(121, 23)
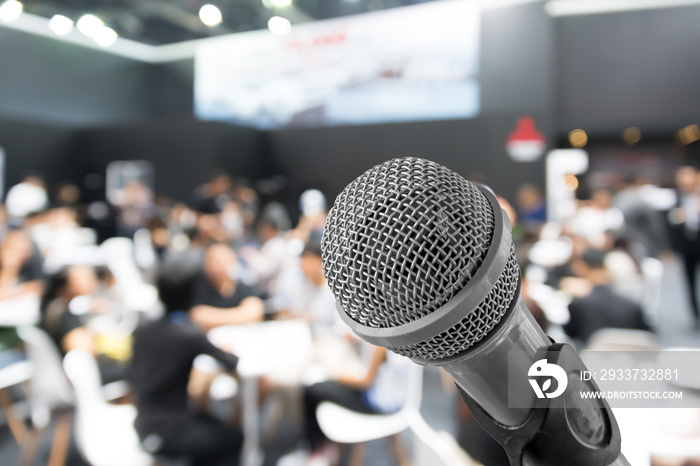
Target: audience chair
point(105, 433)
point(50, 395)
point(144, 254)
point(342, 425)
point(86, 236)
point(119, 256)
point(435, 448)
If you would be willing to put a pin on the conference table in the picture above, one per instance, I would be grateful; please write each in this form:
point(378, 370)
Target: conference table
point(264, 349)
point(20, 310)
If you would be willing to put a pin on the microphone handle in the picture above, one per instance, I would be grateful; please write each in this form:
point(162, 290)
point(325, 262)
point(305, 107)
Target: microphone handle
point(499, 364)
point(560, 430)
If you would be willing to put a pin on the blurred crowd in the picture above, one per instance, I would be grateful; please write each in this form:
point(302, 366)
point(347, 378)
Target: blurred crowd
point(137, 281)
point(595, 270)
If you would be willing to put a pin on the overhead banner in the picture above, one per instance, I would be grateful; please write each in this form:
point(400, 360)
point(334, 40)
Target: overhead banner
point(405, 64)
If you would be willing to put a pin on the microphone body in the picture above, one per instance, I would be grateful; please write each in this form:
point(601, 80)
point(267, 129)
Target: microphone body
point(485, 372)
point(481, 370)
point(422, 262)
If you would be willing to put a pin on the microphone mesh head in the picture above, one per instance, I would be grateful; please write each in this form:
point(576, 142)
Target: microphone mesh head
point(402, 240)
point(476, 325)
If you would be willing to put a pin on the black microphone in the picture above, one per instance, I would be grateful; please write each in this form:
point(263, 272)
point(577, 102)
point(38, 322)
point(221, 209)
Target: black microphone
point(421, 261)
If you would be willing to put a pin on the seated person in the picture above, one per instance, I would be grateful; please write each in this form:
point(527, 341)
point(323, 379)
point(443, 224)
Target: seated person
point(380, 390)
point(65, 327)
point(20, 266)
point(303, 293)
point(68, 324)
point(20, 273)
point(273, 257)
point(603, 307)
point(163, 352)
point(219, 299)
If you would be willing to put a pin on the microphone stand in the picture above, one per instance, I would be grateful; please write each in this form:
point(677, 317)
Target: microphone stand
point(559, 430)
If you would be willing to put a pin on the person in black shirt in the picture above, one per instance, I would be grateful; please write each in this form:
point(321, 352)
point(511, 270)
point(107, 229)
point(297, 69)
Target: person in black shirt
point(219, 299)
point(602, 308)
point(683, 223)
point(214, 194)
point(66, 328)
point(163, 353)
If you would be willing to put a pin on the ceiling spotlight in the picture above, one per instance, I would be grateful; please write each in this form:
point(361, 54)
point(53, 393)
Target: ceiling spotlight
point(281, 3)
point(89, 25)
point(105, 36)
point(60, 25)
point(279, 26)
point(210, 15)
point(10, 10)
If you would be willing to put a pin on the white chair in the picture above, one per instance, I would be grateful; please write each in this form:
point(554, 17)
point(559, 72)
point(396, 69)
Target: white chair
point(87, 254)
point(616, 339)
point(144, 254)
point(50, 395)
point(20, 310)
point(86, 236)
point(49, 387)
point(119, 256)
point(342, 425)
point(105, 433)
point(431, 448)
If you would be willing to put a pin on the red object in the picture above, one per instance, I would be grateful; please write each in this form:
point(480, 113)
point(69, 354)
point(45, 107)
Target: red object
point(525, 130)
point(525, 144)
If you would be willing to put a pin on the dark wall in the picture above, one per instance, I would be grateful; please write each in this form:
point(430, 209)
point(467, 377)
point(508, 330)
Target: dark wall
point(55, 82)
point(46, 149)
point(183, 151)
point(517, 62)
point(49, 89)
point(172, 89)
point(67, 110)
point(637, 68)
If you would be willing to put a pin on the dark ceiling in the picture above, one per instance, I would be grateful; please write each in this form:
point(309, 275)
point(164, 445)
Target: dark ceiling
point(159, 22)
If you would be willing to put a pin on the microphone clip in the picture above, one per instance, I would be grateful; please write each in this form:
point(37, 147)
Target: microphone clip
point(560, 430)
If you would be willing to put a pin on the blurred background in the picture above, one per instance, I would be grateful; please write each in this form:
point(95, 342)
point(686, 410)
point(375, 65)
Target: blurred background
point(151, 146)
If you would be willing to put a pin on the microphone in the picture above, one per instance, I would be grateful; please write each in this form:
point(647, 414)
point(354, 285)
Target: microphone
point(421, 261)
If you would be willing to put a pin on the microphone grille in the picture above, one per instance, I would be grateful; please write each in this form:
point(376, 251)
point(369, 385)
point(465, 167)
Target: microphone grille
point(476, 325)
point(402, 239)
